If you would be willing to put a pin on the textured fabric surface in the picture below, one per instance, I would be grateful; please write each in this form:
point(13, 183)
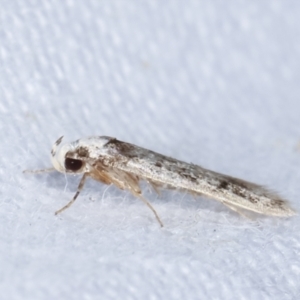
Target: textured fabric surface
point(215, 83)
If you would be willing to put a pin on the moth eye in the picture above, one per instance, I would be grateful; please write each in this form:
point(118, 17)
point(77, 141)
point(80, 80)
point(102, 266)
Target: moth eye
point(73, 164)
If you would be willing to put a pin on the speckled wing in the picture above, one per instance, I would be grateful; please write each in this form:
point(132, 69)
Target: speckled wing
point(141, 164)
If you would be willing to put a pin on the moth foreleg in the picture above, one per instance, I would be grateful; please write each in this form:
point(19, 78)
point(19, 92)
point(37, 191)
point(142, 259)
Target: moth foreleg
point(80, 186)
point(39, 171)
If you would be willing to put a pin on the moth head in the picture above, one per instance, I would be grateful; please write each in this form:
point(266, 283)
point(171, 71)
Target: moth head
point(63, 157)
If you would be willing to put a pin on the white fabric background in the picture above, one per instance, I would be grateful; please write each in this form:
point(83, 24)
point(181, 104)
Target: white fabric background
point(215, 83)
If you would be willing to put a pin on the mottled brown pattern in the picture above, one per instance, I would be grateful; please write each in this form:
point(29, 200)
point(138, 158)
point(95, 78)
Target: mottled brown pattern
point(237, 190)
point(187, 175)
point(277, 202)
point(223, 185)
point(125, 149)
point(104, 162)
point(252, 199)
point(158, 164)
point(83, 152)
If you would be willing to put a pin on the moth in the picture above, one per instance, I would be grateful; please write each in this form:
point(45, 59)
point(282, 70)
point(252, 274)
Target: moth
point(125, 165)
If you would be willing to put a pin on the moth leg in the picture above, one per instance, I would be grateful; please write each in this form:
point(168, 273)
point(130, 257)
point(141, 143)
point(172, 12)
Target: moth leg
point(80, 186)
point(234, 208)
point(139, 195)
point(156, 187)
point(39, 171)
point(124, 181)
point(131, 183)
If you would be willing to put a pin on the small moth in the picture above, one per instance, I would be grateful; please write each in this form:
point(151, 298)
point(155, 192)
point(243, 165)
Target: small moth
point(111, 161)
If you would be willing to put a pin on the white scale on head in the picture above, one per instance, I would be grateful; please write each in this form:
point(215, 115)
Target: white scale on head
point(59, 152)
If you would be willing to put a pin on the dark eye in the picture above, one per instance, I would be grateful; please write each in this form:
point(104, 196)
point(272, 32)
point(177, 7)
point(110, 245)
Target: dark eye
point(73, 164)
